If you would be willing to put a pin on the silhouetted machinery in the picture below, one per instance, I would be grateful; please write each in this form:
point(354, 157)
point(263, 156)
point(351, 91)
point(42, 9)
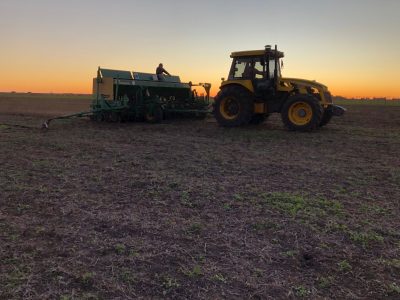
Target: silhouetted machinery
point(134, 96)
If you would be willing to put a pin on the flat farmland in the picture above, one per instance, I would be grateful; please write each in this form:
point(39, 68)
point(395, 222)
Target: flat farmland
point(189, 210)
point(43, 104)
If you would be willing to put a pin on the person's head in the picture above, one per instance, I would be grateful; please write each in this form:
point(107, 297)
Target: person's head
point(160, 65)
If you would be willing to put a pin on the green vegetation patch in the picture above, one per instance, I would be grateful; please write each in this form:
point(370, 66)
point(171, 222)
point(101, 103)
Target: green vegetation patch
point(321, 215)
point(169, 284)
point(301, 291)
point(395, 263)
point(194, 229)
point(17, 276)
point(301, 206)
point(365, 238)
point(196, 271)
point(394, 289)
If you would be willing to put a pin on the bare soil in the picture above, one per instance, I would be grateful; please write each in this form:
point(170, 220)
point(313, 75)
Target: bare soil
point(43, 104)
point(189, 210)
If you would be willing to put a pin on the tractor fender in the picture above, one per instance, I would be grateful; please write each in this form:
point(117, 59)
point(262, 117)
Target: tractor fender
point(247, 84)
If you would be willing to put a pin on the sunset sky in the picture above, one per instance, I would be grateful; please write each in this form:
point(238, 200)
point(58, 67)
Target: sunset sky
point(352, 46)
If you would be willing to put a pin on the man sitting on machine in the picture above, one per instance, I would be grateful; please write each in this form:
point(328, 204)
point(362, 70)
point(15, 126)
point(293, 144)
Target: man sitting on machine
point(160, 71)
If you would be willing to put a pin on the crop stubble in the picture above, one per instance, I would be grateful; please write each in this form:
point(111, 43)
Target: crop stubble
point(186, 209)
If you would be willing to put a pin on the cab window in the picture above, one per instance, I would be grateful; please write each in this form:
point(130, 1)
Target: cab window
point(238, 67)
point(259, 69)
point(272, 69)
point(247, 68)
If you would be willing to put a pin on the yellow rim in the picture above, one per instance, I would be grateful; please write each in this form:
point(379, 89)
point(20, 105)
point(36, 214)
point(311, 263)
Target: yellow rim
point(229, 108)
point(300, 113)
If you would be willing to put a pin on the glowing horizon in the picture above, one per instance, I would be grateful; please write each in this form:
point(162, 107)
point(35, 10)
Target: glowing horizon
point(87, 89)
point(56, 46)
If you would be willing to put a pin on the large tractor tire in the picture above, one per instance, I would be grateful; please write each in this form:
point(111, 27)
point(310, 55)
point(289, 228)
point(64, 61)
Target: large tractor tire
point(302, 113)
point(234, 106)
point(326, 117)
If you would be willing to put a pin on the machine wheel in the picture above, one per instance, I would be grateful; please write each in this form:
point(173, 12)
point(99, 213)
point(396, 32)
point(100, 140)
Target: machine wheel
point(99, 117)
point(258, 119)
point(115, 117)
point(106, 116)
point(233, 106)
point(302, 113)
point(155, 116)
point(326, 117)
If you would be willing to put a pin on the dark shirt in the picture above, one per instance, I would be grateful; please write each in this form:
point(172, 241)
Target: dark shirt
point(250, 72)
point(161, 70)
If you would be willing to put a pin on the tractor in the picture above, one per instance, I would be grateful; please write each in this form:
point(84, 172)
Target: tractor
point(255, 89)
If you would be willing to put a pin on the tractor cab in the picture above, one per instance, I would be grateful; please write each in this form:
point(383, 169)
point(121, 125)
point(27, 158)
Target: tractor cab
point(264, 62)
point(256, 70)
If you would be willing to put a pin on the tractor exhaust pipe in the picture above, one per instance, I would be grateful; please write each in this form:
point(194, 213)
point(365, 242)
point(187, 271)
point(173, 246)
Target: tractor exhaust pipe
point(276, 64)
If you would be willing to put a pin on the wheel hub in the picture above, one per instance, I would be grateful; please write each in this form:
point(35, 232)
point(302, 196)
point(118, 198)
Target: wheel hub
point(233, 108)
point(302, 113)
point(230, 108)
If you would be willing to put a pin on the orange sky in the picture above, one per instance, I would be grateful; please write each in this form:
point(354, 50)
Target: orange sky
point(56, 46)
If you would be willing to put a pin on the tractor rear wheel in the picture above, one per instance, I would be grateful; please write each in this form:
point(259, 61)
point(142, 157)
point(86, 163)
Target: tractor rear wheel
point(233, 106)
point(302, 113)
point(326, 117)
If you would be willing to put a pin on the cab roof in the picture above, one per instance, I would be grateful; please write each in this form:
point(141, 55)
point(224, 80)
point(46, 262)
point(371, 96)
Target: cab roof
point(256, 53)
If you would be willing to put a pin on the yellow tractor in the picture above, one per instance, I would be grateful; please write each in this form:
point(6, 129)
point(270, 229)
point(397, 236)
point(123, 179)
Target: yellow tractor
point(255, 89)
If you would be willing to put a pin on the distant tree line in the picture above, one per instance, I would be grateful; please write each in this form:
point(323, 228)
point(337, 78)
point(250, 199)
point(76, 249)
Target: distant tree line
point(367, 98)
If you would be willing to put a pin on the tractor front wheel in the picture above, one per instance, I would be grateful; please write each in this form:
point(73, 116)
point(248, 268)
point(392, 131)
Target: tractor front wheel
point(233, 106)
point(302, 113)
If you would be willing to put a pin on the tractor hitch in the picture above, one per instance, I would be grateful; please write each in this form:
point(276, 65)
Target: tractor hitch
point(338, 110)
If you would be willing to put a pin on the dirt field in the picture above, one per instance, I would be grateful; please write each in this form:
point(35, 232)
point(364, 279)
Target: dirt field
point(189, 210)
point(43, 104)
